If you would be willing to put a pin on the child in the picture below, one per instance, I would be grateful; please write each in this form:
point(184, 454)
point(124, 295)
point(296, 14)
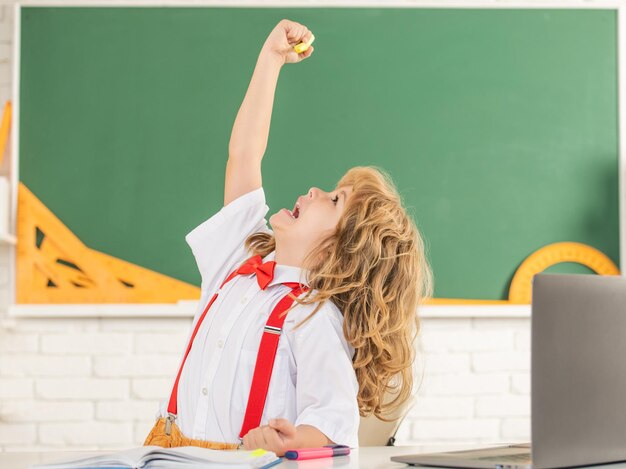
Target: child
point(345, 270)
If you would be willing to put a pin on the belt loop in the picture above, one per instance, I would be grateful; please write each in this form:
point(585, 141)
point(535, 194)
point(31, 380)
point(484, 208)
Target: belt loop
point(168, 423)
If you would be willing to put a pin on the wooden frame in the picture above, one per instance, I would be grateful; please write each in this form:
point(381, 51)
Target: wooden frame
point(185, 308)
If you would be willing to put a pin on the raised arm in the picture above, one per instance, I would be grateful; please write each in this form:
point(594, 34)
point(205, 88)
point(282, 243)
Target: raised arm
point(248, 139)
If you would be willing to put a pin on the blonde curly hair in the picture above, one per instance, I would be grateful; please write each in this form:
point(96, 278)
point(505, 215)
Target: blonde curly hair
point(374, 269)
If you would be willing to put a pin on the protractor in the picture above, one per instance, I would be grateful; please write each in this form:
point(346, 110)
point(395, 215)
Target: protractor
point(520, 291)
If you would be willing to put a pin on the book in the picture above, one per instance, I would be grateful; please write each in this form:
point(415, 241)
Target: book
point(157, 457)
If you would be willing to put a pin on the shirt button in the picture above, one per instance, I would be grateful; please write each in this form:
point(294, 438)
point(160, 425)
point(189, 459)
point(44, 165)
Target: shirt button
point(243, 300)
point(204, 391)
point(220, 343)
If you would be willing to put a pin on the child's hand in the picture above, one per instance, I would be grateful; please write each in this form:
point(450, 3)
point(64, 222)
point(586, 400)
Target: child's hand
point(283, 37)
point(278, 436)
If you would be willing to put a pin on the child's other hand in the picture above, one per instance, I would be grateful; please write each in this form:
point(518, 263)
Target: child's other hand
point(283, 37)
point(278, 436)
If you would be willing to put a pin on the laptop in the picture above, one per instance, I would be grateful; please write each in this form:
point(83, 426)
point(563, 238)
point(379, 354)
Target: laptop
point(578, 380)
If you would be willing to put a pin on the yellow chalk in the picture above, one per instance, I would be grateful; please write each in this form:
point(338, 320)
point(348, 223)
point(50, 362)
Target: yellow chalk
point(301, 47)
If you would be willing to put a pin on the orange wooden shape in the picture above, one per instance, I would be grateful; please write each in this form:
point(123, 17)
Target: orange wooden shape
point(63, 270)
point(520, 291)
point(4, 129)
point(552, 254)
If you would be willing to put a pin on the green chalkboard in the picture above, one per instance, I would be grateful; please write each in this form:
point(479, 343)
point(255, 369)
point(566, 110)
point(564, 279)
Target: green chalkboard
point(499, 126)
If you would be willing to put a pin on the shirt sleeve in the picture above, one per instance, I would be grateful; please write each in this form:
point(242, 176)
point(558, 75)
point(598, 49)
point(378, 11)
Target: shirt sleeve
point(218, 243)
point(326, 384)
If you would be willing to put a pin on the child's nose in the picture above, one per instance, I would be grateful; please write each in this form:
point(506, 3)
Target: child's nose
point(313, 192)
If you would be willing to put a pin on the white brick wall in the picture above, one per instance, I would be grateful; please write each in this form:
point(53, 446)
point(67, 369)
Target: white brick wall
point(90, 383)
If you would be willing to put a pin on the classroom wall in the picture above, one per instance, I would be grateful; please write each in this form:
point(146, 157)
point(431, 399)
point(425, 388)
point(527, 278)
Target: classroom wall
point(94, 383)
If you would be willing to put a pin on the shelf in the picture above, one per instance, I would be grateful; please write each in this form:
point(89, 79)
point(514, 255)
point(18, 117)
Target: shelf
point(187, 309)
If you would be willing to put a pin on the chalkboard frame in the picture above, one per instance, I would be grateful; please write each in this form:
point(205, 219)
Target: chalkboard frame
point(187, 308)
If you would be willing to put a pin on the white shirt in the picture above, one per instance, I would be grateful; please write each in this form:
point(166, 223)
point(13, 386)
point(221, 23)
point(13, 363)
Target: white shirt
point(312, 382)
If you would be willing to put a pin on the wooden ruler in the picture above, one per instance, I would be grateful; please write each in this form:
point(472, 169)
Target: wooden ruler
point(54, 266)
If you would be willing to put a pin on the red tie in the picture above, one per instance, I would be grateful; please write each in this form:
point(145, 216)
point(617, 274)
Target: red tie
point(264, 270)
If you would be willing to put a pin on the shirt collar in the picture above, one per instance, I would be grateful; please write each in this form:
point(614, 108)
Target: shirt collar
point(287, 273)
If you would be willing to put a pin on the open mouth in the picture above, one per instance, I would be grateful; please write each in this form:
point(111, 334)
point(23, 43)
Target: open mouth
point(295, 213)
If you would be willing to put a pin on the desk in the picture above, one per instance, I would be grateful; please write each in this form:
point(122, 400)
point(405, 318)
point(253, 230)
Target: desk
point(372, 457)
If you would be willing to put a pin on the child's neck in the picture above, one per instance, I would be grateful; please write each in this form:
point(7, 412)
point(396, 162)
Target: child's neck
point(285, 256)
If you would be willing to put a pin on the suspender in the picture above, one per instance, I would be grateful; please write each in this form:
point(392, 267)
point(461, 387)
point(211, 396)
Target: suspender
point(264, 362)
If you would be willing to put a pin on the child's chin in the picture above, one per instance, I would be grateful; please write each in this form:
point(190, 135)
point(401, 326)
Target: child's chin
point(278, 220)
point(281, 218)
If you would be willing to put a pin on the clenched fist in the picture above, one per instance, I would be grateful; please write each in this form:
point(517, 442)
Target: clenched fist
point(283, 37)
point(279, 436)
